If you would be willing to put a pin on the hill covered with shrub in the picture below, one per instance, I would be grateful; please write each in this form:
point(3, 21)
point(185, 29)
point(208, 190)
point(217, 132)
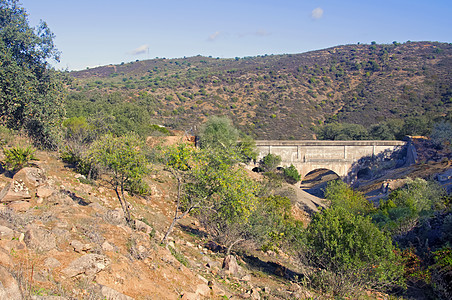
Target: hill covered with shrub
point(272, 96)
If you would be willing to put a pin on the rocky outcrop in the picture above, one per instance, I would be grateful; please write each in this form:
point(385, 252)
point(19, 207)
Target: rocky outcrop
point(15, 191)
point(111, 294)
point(40, 239)
point(88, 264)
point(31, 177)
point(9, 287)
point(230, 264)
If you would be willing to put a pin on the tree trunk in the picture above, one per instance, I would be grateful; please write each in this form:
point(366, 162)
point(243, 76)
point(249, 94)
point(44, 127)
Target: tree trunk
point(176, 217)
point(233, 244)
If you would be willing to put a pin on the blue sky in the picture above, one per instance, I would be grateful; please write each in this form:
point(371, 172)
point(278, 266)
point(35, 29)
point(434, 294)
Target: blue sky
point(101, 32)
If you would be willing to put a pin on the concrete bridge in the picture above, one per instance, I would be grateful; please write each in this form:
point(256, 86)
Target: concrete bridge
point(337, 156)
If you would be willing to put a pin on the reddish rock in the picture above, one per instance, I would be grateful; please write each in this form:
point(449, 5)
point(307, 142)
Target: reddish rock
point(32, 177)
point(40, 239)
point(15, 191)
point(88, 264)
point(9, 288)
point(19, 206)
point(44, 192)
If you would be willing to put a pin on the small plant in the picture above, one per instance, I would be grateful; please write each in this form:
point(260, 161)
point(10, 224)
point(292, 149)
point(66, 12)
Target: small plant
point(180, 257)
point(17, 158)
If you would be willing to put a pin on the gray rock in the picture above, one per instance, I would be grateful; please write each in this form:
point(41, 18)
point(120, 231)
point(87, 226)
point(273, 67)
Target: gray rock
point(115, 217)
point(9, 288)
point(255, 294)
point(79, 246)
point(40, 239)
point(230, 264)
point(6, 232)
point(111, 294)
point(106, 246)
point(52, 263)
point(88, 264)
point(141, 226)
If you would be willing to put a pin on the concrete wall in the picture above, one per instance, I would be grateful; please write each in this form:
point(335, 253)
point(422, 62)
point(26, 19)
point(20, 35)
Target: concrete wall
point(338, 156)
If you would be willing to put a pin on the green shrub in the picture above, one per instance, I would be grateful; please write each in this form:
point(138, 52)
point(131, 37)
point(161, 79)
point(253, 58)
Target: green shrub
point(80, 162)
point(17, 158)
point(270, 162)
point(291, 174)
point(351, 253)
point(404, 208)
point(341, 195)
point(441, 272)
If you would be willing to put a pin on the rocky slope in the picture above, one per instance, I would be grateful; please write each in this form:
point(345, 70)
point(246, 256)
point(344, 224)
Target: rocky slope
point(62, 237)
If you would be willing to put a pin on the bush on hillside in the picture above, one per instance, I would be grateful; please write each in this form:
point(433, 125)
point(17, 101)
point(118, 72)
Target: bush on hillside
point(18, 157)
point(348, 253)
point(291, 174)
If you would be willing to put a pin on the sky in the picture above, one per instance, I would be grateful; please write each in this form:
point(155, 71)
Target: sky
point(91, 33)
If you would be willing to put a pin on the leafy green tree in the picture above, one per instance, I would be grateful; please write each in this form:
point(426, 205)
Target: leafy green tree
point(227, 197)
point(341, 195)
point(341, 131)
point(180, 160)
point(405, 207)
point(219, 134)
point(272, 226)
point(351, 252)
point(270, 162)
point(30, 91)
point(291, 174)
point(123, 159)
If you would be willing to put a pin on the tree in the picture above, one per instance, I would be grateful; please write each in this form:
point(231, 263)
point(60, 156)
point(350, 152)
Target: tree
point(219, 134)
point(30, 91)
point(341, 195)
point(351, 253)
point(442, 134)
point(226, 195)
point(123, 159)
point(270, 162)
point(179, 160)
point(406, 206)
point(291, 174)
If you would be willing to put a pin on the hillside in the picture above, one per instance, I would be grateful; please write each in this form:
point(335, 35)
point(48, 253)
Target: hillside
point(62, 236)
point(274, 96)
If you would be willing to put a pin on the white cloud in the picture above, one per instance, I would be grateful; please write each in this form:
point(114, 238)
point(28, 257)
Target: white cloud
point(213, 36)
point(140, 50)
point(262, 32)
point(317, 13)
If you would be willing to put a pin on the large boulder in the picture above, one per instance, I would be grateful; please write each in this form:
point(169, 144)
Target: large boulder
point(230, 264)
point(111, 294)
point(40, 239)
point(88, 264)
point(19, 206)
point(9, 288)
point(15, 191)
point(32, 177)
